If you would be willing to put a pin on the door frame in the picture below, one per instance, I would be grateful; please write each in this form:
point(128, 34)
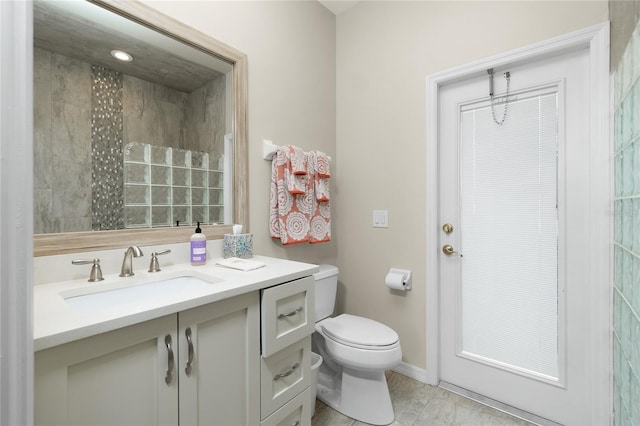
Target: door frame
point(600, 213)
point(16, 207)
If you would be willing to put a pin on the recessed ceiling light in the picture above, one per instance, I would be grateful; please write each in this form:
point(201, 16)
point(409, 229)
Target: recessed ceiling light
point(121, 55)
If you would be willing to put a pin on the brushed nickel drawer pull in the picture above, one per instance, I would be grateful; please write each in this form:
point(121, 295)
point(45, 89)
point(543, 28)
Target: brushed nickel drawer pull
point(290, 314)
point(287, 373)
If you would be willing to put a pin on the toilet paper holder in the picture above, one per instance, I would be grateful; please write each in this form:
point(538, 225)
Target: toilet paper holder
point(398, 279)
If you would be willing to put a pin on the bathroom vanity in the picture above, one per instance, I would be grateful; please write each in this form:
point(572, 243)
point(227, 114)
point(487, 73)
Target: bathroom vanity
point(188, 345)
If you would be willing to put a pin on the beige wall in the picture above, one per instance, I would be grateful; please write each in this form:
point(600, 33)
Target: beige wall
point(291, 53)
point(385, 50)
point(363, 76)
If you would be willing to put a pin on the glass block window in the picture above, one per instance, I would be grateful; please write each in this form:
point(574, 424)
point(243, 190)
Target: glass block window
point(163, 186)
point(626, 299)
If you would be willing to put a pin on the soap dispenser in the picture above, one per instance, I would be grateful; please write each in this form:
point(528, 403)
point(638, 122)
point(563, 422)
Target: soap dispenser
point(198, 247)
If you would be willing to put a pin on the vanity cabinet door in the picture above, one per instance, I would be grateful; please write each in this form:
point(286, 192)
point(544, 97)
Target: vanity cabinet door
point(115, 378)
point(220, 363)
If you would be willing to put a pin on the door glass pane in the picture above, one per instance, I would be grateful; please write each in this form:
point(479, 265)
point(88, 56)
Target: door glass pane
point(509, 238)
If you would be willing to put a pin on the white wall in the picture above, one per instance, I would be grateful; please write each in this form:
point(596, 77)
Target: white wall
point(385, 50)
point(291, 54)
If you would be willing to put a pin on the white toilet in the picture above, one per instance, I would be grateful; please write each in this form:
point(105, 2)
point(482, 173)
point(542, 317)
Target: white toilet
point(356, 351)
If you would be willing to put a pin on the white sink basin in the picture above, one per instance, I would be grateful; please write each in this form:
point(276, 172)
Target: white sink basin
point(156, 292)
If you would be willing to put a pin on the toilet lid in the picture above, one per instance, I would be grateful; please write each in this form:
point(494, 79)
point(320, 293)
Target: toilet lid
point(353, 330)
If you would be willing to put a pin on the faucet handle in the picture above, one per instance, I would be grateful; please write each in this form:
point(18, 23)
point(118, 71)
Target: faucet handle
point(96, 272)
point(154, 266)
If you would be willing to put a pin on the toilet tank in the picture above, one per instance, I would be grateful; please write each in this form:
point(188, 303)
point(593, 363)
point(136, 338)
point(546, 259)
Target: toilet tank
point(326, 287)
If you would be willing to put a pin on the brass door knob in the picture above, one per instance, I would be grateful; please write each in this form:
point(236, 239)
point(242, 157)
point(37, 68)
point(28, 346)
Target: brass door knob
point(448, 250)
point(447, 228)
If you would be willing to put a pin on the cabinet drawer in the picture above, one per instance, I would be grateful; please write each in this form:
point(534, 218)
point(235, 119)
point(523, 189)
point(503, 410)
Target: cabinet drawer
point(288, 314)
point(295, 412)
point(284, 375)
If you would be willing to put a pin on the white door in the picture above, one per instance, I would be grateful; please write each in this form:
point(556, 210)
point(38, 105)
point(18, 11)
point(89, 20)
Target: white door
point(512, 305)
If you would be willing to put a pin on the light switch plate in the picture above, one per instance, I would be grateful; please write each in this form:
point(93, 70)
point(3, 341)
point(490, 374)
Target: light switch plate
point(380, 218)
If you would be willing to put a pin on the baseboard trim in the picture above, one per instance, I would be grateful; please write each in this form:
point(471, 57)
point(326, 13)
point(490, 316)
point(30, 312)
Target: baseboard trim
point(411, 371)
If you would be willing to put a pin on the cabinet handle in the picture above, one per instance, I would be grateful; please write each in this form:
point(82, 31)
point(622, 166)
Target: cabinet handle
point(187, 333)
point(296, 423)
point(290, 314)
point(167, 341)
point(287, 373)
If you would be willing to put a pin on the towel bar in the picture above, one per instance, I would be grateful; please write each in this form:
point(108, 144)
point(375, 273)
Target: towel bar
point(269, 148)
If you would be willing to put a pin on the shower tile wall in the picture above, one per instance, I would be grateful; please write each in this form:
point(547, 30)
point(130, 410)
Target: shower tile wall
point(153, 114)
point(63, 160)
point(62, 132)
point(203, 103)
point(626, 321)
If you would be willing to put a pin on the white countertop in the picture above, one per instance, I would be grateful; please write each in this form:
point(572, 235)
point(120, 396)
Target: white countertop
point(56, 322)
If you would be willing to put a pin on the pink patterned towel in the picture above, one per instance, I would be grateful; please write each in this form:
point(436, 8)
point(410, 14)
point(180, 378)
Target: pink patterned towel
point(322, 165)
point(298, 160)
point(295, 169)
point(319, 162)
point(289, 216)
point(320, 226)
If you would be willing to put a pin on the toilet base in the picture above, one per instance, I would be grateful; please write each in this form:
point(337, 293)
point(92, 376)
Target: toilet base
point(361, 395)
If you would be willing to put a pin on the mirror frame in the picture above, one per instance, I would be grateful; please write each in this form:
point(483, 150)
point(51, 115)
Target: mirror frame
point(75, 242)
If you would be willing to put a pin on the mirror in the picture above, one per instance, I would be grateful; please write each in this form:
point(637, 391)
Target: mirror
point(163, 138)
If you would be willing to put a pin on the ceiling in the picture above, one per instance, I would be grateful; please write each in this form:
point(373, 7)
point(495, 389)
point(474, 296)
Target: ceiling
point(87, 32)
point(338, 6)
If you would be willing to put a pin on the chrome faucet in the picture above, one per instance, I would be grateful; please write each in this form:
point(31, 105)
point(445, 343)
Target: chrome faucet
point(127, 264)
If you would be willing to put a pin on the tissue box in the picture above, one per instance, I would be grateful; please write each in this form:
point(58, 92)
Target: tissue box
point(239, 245)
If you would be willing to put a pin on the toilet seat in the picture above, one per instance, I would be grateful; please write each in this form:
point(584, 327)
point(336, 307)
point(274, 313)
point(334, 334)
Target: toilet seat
point(359, 332)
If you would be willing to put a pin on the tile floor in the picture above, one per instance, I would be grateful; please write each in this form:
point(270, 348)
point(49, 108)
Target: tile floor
point(416, 403)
